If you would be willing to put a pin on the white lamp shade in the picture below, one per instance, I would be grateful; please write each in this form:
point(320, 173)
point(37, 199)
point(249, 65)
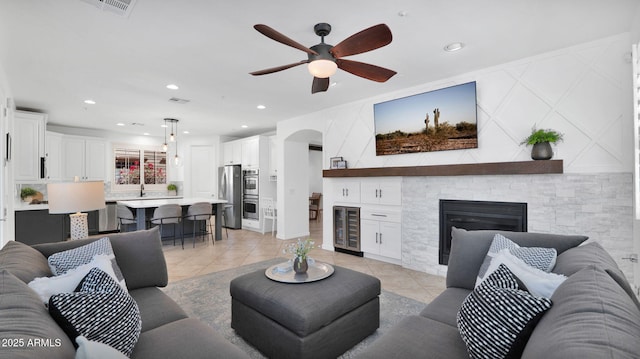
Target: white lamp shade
point(71, 197)
point(322, 68)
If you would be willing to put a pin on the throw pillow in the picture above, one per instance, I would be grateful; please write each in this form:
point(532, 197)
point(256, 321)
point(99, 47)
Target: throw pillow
point(67, 283)
point(497, 318)
point(536, 281)
point(88, 349)
point(61, 262)
point(538, 257)
point(13, 257)
point(100, 311)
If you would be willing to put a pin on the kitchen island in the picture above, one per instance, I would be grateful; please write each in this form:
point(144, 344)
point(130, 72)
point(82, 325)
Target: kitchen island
point(141, 207)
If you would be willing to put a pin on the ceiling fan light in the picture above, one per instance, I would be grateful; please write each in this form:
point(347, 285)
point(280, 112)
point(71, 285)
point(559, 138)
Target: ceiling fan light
point(322, 68)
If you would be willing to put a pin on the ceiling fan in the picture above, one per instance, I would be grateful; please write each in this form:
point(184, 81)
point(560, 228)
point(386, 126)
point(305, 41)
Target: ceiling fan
point(324, 59)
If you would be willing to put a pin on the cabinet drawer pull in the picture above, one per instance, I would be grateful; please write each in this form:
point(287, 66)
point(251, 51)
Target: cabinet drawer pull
point(378, 215)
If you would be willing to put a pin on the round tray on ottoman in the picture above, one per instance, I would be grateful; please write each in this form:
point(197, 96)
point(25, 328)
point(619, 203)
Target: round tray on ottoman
point(284, 272)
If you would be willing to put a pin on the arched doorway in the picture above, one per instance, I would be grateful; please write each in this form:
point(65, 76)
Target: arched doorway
point(295, 173)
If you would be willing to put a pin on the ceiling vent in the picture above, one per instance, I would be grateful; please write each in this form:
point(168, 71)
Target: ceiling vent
point(119, 7)
point(178, 100)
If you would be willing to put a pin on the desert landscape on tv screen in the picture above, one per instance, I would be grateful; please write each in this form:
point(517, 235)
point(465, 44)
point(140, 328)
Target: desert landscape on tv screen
point(437, 120)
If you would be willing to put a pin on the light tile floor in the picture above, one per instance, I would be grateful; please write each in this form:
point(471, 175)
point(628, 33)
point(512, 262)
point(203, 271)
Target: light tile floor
point(245, 247)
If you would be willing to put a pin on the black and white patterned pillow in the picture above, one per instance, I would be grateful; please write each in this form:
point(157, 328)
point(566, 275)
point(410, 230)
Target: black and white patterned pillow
point(64, 261)
point(537, 257)
point(100, 310)
point(497, 318)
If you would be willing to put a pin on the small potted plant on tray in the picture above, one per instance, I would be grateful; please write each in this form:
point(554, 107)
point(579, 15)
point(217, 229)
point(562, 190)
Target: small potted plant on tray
point(173, 189)
point(27, 193)
point(300, 251)
point(541, 141)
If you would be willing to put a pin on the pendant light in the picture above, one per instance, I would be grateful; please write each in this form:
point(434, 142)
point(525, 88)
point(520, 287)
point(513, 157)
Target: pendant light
point(176, 159)
point(165, 146)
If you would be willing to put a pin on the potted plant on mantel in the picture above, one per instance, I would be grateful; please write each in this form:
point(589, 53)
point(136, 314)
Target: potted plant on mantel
point(541, 141)
point(173, 189)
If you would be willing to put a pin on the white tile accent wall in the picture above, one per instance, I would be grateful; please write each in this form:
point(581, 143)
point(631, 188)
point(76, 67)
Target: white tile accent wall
point(597, 205)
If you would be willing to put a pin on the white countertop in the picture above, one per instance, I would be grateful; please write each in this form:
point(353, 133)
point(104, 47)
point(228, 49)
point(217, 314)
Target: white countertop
point(24, 206)
point(159, 202)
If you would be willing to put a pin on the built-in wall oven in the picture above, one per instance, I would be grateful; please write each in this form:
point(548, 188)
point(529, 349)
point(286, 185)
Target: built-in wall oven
point(250, 181)
point(250, 190)
point(250, 207)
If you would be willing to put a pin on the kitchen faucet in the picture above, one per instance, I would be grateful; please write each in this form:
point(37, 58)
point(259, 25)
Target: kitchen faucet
point(141, 189)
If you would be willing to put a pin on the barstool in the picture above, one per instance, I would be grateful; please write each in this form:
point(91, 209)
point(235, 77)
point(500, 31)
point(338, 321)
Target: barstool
point(168, 214)
point(125, 217)
point(197, 212)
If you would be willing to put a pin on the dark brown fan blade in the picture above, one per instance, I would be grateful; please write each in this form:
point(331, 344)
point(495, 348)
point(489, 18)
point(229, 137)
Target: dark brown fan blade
point(370, 72)
point(366, 40)
point(319, 85)
point(274, 35)
point(279, 68)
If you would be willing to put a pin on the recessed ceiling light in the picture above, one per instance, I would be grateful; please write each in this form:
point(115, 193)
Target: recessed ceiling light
point(402, 13)
point(89, 102)
point(454, 46)
point(147, 134)
point(119, 124)
point(261, 107)
point(172, 87)
point(244, 126)
point(164, 126)
point(185, 132)
point(333, 84)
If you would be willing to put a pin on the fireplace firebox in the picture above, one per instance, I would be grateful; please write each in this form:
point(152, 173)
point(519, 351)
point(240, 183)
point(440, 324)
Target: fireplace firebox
point(475, 215)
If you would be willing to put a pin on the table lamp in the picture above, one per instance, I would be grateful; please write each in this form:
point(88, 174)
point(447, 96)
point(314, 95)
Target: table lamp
point(74, 198)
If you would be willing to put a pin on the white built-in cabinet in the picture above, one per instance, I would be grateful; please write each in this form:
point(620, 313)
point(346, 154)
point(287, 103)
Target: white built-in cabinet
point(83, 157)
point(29, 146)
point(232, 152)
point(251, 153)
point(381, 232)
point(53, 144)
point(380, 203)
point(381, 191)
point(273, 158)
point(347, 191)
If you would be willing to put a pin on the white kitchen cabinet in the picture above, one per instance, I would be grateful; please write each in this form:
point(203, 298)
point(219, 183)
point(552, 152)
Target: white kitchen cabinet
point(53, 164)
point(232, 152)
point(346, 191)
point(381, 191)
point(83, 157)
point(29, 146)
point(273, 158)
point(381, 232)
point(251, 153)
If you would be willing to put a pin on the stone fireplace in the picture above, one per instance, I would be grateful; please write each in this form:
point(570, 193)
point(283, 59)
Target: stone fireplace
point(475, 215)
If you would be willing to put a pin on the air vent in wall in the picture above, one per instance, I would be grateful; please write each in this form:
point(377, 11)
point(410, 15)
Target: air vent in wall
point(178, 100)
point(120, 7)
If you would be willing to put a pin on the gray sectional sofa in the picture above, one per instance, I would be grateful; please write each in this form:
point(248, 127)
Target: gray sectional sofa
point(594, 312)
point(28, 331)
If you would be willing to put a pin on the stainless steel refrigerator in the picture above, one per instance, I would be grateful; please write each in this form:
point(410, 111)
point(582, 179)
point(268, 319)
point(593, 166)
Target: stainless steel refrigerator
point(230, 189)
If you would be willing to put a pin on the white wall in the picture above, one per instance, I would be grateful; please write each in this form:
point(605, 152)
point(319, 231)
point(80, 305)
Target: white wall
point(6, 173)
point(582, 91)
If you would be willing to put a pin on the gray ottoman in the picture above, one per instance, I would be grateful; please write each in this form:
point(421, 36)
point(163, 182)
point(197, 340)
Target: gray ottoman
point(320, 319)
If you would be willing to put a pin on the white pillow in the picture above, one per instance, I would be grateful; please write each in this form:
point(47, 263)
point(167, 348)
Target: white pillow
point(538, 282)
point(89, 349)
point(67, 283)
point(538, 257)
point(61, 262)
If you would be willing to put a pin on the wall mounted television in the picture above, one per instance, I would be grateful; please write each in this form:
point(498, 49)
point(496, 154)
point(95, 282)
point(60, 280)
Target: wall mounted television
point(439, 120)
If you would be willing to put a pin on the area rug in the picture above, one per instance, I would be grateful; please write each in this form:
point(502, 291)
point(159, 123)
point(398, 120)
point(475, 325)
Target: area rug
point(207, 298)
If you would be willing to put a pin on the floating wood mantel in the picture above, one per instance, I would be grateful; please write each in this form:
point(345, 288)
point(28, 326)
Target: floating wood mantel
point(469, 169)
